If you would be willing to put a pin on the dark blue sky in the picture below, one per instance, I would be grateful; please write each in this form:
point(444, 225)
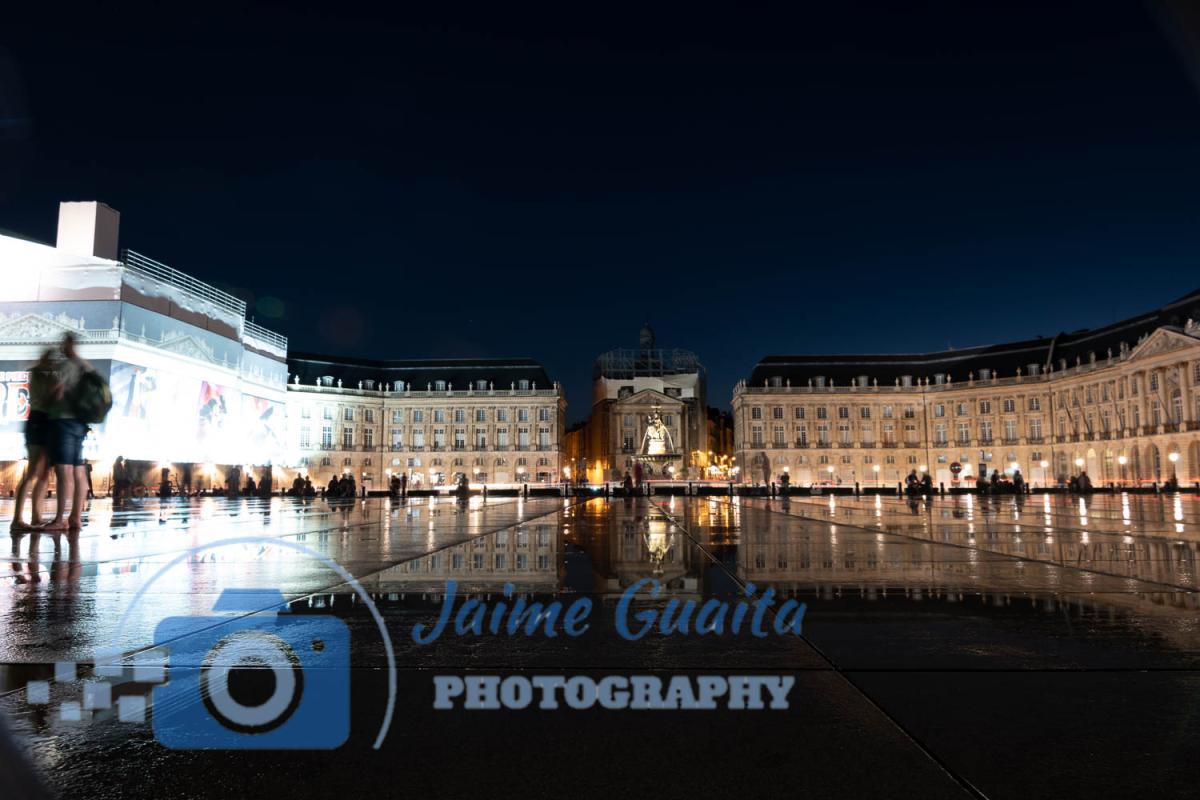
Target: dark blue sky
point(876, 177)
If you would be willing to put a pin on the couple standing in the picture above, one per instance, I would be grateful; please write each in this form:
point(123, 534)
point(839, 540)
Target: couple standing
point(63, 396)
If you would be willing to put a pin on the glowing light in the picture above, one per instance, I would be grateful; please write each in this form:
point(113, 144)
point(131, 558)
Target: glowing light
point(1079, 462)
point(1173, 457)
point(1044, 463)
point(923, 468)
point(1122, 460)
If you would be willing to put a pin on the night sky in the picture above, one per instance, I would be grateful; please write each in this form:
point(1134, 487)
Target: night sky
point(433, 181)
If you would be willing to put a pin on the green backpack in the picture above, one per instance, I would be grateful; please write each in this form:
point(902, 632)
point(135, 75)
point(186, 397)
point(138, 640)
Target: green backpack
point(92, 399)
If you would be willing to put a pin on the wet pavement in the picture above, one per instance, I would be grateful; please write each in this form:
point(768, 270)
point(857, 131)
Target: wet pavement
point(965, 647)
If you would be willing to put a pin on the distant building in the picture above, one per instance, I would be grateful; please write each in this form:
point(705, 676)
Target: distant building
point(1121, 402)
point(197, 387)
point(648, 405)
point(497, 421)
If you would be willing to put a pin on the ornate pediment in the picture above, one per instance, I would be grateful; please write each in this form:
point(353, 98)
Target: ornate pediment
point(33, 328)
point(187, 345)
point(1163, 340)
point(649, 398)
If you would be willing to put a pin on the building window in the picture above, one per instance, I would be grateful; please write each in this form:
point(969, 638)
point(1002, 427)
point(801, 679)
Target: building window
point(522, 437)
point(960, 410)
point(327, 412)
point(460, 415)
point(368, 437)
point(843, 412)
point(368, 415)
point(798, 412)
point(756, 436)
point(844, 434)
point(823, 434)
point(480, 415)
point(305, 438)
point(1010, 406)
point(778, 436)
point(439, 386)
point(1010, 430)
point(939, 410)
point(985, 430)
point(418, 415)
point(910, 412)
point(1035, 404)
point(305, 412)
point(501, 415)
point(964, 432)
point(326, 436)
point(439, 437)
point(887, 412)
point(627, 443)
point(347, 438)
point(460, 438)
point(522, 415)
point(756, 412)
point(439, 415)
point(865, 412)
point(985, 406)
point(822, 412)
point(777, 412)
point(543, 437)
point(669, 420)
point(348, 414)
point(543, 415)
point(939, 433)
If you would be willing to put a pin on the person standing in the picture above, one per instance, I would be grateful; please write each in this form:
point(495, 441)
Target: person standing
point(120, 480)
point(66, 438)
point(403, 485)
point(43, 384)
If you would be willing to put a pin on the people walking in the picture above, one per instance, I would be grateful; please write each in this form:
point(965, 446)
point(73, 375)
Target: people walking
point(82, 398)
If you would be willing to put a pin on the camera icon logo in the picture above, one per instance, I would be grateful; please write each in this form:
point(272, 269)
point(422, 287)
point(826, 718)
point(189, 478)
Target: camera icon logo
point(270, 680)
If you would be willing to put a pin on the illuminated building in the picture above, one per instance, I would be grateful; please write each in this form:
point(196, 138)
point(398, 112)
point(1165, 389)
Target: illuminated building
point(1121, 402)
point(194, 382)
point(496, 421)
point(631, 389)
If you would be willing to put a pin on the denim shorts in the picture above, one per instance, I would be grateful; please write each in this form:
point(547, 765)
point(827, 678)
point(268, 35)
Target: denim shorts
point(66, 441)
point(37, 429)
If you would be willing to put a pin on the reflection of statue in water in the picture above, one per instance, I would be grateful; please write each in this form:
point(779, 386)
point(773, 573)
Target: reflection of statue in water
point(657, 440)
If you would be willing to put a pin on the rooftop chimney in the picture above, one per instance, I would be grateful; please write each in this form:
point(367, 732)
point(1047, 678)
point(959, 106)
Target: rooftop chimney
point(88, 228)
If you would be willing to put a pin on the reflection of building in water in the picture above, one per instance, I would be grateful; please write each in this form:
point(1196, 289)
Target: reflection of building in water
point(1122, 402)
point(493, 420)
point(194, 382)
point(525, 556)
point(646, 402)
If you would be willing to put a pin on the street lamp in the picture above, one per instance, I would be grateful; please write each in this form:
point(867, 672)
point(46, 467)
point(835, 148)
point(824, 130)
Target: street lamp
point(875, 469)
point(1173, 457)
point(1122, 460)
point(1044, 464)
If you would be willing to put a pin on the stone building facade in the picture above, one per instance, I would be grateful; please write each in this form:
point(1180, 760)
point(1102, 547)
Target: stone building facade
point(496, 421)
point(631, 387)
point(1121, 402)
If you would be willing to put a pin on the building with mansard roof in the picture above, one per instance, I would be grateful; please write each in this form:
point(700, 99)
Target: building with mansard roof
point(1121, 402)
point(496, 421)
